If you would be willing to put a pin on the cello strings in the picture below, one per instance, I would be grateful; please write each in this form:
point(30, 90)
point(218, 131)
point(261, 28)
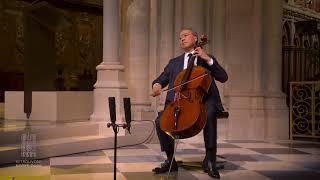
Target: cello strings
point(185, 83)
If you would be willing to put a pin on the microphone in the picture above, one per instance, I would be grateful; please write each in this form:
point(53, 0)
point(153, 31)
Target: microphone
point(127, 112)
point(112, 109)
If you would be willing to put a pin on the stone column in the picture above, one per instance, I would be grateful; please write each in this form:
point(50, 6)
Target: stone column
point(219, 29)
point(257, 100)
point(178, 23)
point(217, 36)
point(243, 57)
point(138, 15)
point(193, 15)
point(276, 111)
point(167, 38)
point(110, 72)
point(154, 64)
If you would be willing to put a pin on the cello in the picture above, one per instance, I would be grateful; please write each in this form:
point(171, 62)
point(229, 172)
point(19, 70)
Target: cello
point(186, 116)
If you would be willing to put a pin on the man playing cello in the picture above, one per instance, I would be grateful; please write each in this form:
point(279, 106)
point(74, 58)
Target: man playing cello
point(188, 39)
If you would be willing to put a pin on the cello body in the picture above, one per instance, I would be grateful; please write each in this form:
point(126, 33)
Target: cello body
point(186, 117)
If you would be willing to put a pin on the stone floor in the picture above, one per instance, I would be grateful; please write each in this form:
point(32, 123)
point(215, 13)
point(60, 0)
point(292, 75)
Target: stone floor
point(242, 159)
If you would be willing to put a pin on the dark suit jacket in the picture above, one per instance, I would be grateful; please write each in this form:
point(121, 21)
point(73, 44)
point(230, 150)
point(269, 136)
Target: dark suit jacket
point(175, 66)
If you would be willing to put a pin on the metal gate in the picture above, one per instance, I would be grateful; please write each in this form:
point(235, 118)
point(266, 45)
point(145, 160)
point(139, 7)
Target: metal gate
point(305, 109)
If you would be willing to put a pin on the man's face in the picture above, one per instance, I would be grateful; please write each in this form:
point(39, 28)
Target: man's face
point(187, 40)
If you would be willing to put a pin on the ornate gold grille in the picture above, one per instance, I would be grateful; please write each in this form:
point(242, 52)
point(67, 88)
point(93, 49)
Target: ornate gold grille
point(305, 109)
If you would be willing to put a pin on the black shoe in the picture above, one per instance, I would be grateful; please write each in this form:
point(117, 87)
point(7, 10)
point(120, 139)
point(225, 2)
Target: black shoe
point(210, 168)
point(164, 167)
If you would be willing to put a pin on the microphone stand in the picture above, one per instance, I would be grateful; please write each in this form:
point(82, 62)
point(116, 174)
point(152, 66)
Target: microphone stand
point(115, 128)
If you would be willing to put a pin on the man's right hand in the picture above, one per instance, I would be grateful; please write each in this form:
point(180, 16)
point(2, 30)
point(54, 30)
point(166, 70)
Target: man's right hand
point(156, 90)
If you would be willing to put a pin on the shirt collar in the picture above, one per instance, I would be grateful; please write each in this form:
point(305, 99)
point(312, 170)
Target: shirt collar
point(186, 54)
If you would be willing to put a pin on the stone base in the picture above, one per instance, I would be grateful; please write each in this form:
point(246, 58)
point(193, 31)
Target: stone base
point(101, 104)
point(56, 106)
point(143, 111)
point(110, 83)
point(257, 117)
point(277, 118)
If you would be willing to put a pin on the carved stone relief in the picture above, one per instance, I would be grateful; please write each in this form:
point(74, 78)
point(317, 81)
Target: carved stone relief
point(301, 43)
point(78, 48)
point(77, 54)
point(309, 4)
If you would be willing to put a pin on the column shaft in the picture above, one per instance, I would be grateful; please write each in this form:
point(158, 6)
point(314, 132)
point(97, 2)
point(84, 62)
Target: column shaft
point(272, 44)
point(194, 15)
point(167, 37)
point(110, 72)
point(111, 31)
point(138, 17)
point(276, 111)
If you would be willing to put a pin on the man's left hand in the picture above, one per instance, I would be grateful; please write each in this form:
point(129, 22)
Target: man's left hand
point(201, 53)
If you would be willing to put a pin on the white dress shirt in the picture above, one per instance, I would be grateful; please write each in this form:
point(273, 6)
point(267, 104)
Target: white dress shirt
point(186, 58)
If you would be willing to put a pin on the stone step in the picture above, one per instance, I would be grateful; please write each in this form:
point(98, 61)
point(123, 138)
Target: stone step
point(67, 138)
point(12, 134)
point(64, 146)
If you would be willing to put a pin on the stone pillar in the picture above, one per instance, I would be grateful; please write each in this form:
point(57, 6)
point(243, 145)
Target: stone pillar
point(217, 15)
point(218, 35)
point(218, 29)
point(154, 65)
point(243, 57)
point(110, 73)
point(167, 39)
point(138, 15)
point(178, 23)
point(257, 101)
point(276, 111)
point(193, 15)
